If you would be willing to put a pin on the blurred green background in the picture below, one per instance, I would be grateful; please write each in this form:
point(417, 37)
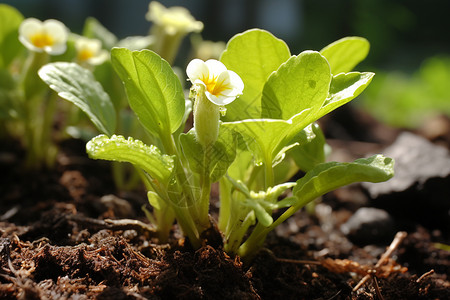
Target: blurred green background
point(410, 39)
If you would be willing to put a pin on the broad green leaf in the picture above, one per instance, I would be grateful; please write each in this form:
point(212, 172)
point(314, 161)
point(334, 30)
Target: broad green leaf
point(266, 137)
point(343, 89)
point(154, 91)
point(262, 136)
point(149, 158)
point(220, 157)
point(300, 83)
point(95, 30)
point(312, 151)
point(10, 19)
point(332, 175)
point(78, 85)
point(253, 55)
point(344, 54)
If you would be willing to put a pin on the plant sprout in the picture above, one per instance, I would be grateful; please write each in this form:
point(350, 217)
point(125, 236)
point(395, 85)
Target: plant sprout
point(254, 112)
point(267, 134)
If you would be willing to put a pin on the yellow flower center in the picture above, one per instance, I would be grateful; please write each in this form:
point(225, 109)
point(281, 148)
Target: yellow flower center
point(85, 54)
point(41, 40)
point(215, 87)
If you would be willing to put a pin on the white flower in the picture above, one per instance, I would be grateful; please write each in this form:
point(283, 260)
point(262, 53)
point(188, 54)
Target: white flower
point(174, 20)
point(90, 51)
point(222, 86)
point(49, 36)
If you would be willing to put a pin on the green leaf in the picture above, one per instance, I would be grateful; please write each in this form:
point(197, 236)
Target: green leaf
point(300, 83)
point(313, 149)
point(149, 158)
point(266, 137)
point(320, 180)
point(332, 175)
point(344, 54)
point(253, 55)
point(154, 91)
point(78, 85)
point(262, 136)
point(344, 88)
point(10, 19)
point(220, 157)
point(95, 30)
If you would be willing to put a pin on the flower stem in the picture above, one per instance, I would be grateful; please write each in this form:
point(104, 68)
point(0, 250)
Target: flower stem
point(32, 88)
point(203, 205)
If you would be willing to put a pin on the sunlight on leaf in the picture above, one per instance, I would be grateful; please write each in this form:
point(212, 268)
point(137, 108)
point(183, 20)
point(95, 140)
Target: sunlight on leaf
point(329, 176)
point(344, 88)
point(253, 55)
point(78, 85)
point(344, 54)
point(159, 166)
point(266, 137)
point(300, 83)
point(154, 91)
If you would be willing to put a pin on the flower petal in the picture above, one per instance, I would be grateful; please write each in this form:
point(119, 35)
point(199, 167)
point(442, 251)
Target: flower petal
point(29, 27)
point(215, 68)
point(236, 82)
point(56, 29)
point(219, 99)
point(56, 49)
point(100, 58)
point(197, 69)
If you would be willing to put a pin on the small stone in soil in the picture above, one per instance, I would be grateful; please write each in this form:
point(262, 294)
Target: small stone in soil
point(419, 190)
point(416, 161)
point(120, 207)
point(369, 226)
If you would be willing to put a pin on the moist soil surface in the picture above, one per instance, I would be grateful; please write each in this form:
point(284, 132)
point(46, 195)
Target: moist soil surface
point(67, 233)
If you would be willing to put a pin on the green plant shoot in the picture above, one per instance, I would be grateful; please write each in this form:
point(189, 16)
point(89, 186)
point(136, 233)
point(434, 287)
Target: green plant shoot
point(254, 114)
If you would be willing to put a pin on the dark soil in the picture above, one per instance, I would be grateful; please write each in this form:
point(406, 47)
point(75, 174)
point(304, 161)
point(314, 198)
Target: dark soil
point(60, 238)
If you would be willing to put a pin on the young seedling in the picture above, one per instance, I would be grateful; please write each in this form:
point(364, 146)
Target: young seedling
point(268, 100)
point(254, 120)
